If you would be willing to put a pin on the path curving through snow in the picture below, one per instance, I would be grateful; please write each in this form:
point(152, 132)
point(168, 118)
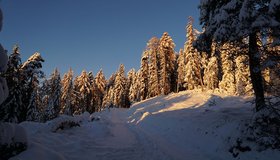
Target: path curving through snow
point(181, 126)
point(110, 138)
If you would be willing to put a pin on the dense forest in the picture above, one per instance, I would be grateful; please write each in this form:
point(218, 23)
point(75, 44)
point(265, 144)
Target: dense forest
point(34, 97)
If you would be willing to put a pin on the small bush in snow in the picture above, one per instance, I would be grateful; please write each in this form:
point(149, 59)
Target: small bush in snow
point(13, 140)
point(64, 122)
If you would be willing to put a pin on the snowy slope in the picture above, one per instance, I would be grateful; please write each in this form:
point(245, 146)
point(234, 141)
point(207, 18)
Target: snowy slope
point(186, 125)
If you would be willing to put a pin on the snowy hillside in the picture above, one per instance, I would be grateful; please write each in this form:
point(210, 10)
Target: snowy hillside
point(187, 125)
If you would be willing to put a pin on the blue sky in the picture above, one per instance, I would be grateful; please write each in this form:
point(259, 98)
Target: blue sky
point(92, 34)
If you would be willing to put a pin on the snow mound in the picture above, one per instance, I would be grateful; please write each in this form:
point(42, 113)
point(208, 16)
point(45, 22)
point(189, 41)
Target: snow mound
point(64, 122)
point(13, 140)
point(12, 133)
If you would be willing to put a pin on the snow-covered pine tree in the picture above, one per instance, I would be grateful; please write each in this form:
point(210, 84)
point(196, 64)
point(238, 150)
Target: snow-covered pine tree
point(100, 82)
point(120, 90)
point(228, 82)
point(53, 91)
point(181, 71)
point(137, 85)
point(9, 109)
point(167, 61)
point(66, 99)
point(153, 83)
point(193, 61)
point(36, 112)
point(211, 72)
point(144, 75)
point(235, 20)
point(242, 75)
point(108, 100)
point(131, 76)
point(83, 92)
point(31, 69)
point(95, 99)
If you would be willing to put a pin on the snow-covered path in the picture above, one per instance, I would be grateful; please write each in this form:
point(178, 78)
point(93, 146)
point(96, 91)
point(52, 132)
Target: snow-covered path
point(107, 139)
point(182, 126)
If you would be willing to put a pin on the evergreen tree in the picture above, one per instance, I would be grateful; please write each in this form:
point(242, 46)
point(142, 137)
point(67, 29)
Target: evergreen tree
point(181, 71)
point(144, 75)
point(36, 112)
point(108, 100)
point(120, 90)
point(167, 64)
point(30, 71)
point(53, 91)
point(131, 77)
point(228, 67)
point(153, 82)
point(9, 109)
point(83, 92)
point(242, 75)
point(67, 93)
point(193, 67)
point(100, 83)
point(211, 72)
point(93, 106)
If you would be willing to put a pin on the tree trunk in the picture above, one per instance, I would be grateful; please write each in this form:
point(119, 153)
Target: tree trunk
point(255, 71)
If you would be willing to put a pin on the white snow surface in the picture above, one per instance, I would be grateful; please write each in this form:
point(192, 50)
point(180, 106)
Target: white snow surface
point(189, 125)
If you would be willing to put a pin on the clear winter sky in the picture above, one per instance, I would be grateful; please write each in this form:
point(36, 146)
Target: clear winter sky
point(92, 34)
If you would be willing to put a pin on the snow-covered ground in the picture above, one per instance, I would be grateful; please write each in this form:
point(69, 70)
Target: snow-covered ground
point(188, 125)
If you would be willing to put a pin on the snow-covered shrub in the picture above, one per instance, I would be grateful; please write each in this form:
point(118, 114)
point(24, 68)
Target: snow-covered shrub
point(94, 118)
point(263, 132)
point(64, 122)
point(13, 140)
point(265, 128)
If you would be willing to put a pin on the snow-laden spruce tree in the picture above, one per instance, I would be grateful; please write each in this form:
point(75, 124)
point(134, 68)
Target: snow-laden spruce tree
point(242, 75)
point(228, 82)
point(9, 109)
point(108, 100)
point(144, 76)
point(100, 83)
point(193, 68)
point(131, 76)
point(53, 91)
point(181, 71)
point(153, 83)
point(234, 20)
point(211, 71)
point(134, 92)
point(95, 95)
point(66, 98)
point(31, 70)
point(37, 111)
point(82, 93)
point(167, 60)
point(120, 90)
